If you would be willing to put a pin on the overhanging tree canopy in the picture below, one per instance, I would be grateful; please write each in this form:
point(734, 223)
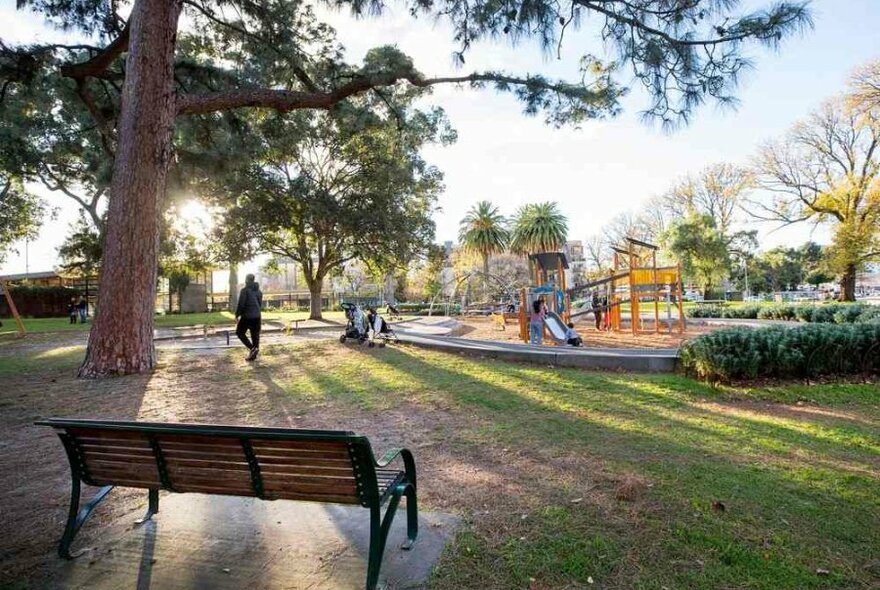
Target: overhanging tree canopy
point(275, 54)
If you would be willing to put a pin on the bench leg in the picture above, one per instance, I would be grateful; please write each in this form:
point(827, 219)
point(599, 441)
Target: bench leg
point(76, 517)
point(152, 507)
point(379, 527)
point(412, 518)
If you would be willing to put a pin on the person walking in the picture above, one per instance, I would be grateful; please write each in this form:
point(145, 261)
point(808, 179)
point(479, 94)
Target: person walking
point(249, 317)
point(597, 309)
point(83, 308)
point(536, 322)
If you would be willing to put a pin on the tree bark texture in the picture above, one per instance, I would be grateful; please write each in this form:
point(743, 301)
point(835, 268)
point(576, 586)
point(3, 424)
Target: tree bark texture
point(121, 340)
point(233, 287)
point(848, 284)
point(315, 288)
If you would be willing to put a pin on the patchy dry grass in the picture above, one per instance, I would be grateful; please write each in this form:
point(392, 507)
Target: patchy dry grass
point(565, 479)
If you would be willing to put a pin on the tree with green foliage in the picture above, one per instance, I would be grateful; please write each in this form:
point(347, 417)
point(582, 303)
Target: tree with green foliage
point(718, 191)
point(538, 227)
point(21, 214)
point(428, 273)
point(701, 249)
point(278, 55)
point(353, 188)
point(81, 251)
point(826, 171)
point(484, 231)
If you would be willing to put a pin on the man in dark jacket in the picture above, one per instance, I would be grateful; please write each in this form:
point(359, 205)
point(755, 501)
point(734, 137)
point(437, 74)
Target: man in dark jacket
point(247, 314)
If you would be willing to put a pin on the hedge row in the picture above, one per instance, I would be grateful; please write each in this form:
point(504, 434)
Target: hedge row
point(798, 351)
point(823, 313)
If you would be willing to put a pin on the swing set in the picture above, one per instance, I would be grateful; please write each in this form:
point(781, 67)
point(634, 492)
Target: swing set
point(12, 309)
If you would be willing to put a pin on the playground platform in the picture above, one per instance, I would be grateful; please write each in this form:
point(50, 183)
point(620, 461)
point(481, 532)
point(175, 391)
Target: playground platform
point(649, 360)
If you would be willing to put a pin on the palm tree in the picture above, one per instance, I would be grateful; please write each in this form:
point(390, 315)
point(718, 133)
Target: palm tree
point(539, 227)
point(484, 231)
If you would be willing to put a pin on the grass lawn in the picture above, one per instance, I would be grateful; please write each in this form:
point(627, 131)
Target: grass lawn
point(47, 325)
point(564, 479)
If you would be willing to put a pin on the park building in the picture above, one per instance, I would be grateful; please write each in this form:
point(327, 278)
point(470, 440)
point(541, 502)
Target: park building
point(577, 263)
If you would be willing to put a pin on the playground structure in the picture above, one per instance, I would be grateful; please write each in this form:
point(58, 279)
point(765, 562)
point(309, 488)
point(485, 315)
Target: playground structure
point(503, 290)
point(12, 309)
point(548, 281)
point(634, 283)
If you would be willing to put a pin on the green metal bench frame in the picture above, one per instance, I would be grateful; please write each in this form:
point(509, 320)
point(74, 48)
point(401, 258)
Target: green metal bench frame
point(363, 462)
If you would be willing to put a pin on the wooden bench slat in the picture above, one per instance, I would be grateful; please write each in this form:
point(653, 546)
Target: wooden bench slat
point(286, 495)
point(316, 454)
point(113, 455)
point(208, 488)
point(317, 445)
point(319, 489)
point(230, 479)
point(307, 469)
point(89, 432)
point(234, 455)
point(126, 482)
point(95, 464)
point(97, 444)
point(303, 460)
point(208, 445)
point(205, 464)
point(178, 475)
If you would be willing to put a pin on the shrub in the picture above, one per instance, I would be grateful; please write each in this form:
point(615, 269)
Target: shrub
point(799, 351)
point(822, 313)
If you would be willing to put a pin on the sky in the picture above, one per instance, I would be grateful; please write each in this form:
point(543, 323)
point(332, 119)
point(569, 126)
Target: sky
point(595, 172)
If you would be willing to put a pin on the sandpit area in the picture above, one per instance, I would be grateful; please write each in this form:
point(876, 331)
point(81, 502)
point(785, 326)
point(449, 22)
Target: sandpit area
point(485, 328)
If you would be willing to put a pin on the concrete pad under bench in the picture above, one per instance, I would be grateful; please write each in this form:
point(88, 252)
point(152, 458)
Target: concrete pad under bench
point(223, 542)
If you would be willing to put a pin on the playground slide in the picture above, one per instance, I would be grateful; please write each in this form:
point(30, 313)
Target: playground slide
point(555, 326)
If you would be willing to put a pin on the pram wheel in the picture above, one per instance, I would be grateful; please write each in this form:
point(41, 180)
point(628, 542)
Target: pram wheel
point(342, 339)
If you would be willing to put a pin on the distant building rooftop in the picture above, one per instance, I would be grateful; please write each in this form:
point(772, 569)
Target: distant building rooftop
point(48, 274)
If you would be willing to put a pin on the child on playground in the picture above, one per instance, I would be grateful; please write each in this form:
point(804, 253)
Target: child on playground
point(571, 337)
point(536, 321)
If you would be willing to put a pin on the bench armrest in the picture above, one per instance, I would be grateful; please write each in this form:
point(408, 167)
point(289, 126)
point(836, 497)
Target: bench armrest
point(409, 464)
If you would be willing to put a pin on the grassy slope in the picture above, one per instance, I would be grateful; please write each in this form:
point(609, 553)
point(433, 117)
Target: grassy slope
point(715, 488)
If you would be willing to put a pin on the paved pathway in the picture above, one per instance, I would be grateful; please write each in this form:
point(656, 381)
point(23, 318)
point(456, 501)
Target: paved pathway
point(229, 543)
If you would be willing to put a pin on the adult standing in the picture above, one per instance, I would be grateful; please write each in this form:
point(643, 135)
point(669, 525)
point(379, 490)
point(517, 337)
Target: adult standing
point(83, 307)
point(249, 317)
point(596, 304)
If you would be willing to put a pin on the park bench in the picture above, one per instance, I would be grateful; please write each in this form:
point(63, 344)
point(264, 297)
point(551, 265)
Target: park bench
point(266, 463)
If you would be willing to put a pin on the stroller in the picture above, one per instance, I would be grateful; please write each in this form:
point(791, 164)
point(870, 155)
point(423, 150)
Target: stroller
point(356, 327)
point(381, 329)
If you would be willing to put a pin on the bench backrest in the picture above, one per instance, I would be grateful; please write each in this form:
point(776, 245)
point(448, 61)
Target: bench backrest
point(269, 463)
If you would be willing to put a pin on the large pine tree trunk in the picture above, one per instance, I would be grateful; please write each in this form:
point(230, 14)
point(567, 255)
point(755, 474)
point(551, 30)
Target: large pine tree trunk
point(315, 288)
point(848, 284)
point(121, 340)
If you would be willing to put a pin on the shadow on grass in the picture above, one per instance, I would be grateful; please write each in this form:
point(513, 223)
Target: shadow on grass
point(761, 470)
